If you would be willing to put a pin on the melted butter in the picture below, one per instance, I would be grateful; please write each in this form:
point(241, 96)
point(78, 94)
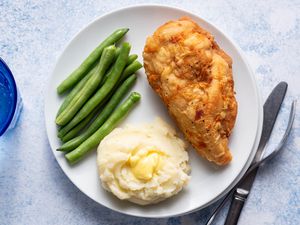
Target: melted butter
point(144, 166)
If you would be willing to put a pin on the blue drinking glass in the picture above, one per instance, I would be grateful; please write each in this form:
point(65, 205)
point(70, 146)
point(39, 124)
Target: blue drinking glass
point(10, 99)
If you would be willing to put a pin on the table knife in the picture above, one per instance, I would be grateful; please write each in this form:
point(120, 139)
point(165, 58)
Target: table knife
point(270, 111)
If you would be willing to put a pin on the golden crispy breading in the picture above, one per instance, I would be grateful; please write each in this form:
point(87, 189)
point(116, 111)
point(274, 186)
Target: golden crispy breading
point(193, 77)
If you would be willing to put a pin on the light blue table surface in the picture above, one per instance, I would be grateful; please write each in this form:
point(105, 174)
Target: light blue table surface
point(33, 188)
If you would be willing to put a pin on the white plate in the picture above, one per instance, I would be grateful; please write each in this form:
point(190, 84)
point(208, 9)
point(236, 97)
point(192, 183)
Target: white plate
point(208, 182)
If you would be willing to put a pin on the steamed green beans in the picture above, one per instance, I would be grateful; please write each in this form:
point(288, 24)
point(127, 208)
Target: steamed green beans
point(130, 60)
point(89, 87)
point(75, 90)
point(119, 114)
point(130, 69)
point(72, 133)
point(111, 105)
point(79, 73)
point(100, 95)
point(81, 83)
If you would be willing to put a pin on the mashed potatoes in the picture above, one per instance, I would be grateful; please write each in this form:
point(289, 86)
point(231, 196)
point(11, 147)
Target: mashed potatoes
point(144, 164)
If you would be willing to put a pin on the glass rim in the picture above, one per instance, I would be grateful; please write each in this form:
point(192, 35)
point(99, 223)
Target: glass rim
point(9, 76)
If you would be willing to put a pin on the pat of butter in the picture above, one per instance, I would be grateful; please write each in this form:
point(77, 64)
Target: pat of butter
point(144, 166)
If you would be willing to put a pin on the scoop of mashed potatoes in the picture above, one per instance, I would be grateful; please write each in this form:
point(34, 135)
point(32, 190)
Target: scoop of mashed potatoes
point(143, 164)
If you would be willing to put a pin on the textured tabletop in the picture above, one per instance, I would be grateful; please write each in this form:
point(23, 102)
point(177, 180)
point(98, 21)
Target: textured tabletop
point(33, 188)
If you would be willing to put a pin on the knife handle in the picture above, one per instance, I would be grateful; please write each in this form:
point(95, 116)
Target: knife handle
point(236, 206)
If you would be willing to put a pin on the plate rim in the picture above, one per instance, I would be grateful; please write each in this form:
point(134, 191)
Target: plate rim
point(244, 59)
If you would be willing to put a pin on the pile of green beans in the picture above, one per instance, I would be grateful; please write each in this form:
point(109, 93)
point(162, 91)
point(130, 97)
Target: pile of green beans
point(90, 110)
point(89, 87)
point(79, 73)
point(119, 114)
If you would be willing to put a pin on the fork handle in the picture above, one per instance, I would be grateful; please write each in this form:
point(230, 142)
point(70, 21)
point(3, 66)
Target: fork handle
point(236, 207)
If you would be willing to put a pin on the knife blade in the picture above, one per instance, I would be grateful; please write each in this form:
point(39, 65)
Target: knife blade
point(270, 110)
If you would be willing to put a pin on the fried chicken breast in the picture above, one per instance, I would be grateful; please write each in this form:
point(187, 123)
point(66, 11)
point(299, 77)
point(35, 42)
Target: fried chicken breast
point(193, 77)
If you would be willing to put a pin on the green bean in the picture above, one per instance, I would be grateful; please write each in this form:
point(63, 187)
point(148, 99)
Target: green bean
point(77, 74)
point(72, 133)
point(130, 60)
point(130, 69)
point(104, 91)
point(119, 114)
point(111, 105)
point(74, 91)
point(111, 67)
point(89, 87)
point(117, 53)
